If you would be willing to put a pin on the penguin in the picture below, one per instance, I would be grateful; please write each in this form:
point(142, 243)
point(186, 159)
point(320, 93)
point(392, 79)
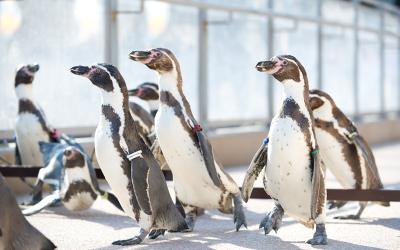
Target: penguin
point(31, 124)
point(198, 180)
point(343, 150)
point(70, 170)
point(127, 163)
point(293, 174)
point(148, 92)
point(15, 231)
point(144, 120)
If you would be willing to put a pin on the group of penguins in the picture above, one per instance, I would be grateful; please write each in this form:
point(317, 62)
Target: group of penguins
point(133, 144)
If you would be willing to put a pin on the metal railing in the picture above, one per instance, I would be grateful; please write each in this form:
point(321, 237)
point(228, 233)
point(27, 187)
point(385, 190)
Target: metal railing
point(272, 15)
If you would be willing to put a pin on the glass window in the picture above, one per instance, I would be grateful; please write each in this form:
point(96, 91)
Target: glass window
point(392, 74)
point(338, 67)
point(236, 90)
point(340, 11)
point(70, 34)
point(160, 25)
point(368, 73)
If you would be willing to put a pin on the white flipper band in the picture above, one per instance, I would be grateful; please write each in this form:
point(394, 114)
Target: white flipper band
point(135, 155)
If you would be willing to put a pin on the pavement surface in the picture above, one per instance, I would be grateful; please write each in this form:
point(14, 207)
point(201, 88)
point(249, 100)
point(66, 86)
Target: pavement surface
point(97, 227)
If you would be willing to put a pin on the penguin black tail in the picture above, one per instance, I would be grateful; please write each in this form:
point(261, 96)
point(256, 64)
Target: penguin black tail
point(384, 203)
point(174, 220)
point(111, 198)
point(48, 245)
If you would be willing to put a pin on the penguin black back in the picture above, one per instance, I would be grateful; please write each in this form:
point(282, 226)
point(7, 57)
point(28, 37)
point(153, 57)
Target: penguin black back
point(15, 231)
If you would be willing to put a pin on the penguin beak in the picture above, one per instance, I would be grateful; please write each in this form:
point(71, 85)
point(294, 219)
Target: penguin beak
point(135, 92)
point(144, 57)
point(265, 66)
point(271, 67)
point(33, 68)
point(80, 70)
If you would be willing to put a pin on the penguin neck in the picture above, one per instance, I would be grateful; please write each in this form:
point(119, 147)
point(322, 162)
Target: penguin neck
point(171, 82)
point(298, 91)
point(24, 91)
point(118, 101)
point(153, 106)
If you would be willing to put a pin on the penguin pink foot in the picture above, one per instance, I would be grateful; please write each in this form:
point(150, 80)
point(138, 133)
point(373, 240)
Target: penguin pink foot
point(273, 220)
point(320, 237)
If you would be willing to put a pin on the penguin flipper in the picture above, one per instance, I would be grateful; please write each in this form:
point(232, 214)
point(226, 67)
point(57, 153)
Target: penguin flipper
point(207, 152)
point(158, 154)
point(318, 187)
point(18, 160)
point(257, 164)
point(111, 198)
point(45, 202)
point(369, 159)
point(139, 176)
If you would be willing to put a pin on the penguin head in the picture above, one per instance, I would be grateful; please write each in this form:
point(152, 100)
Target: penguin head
point(147, 91)
point(25, 73)
point(73, 157)
point(321, 104)
point(105, 76)
point(160, 59)
point(284, 67)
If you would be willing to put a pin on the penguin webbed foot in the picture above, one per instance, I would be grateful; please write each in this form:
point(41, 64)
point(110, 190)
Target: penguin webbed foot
point(348, 217)
point(239, 217)
point(155, 233)
point(190, 221)
point(34, 200)
point(320, 237)
point(132, 241)
point(273, 220)
point(336, 204)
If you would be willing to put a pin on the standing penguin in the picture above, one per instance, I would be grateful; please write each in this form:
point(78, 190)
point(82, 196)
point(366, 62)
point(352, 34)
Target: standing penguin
point(199, 181)
point(144, 120)
point(127, 163)
point(15, 230)
point(293, 176)
point(343, 150)
point(31, 125)
point(71, 172)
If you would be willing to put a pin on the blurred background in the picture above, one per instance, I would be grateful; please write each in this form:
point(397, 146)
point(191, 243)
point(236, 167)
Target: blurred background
point(349, 48)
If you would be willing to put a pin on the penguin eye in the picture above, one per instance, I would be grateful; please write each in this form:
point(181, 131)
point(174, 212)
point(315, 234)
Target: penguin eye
point(284, 62)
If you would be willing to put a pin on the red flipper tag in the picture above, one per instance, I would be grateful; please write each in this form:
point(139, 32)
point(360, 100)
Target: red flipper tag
point(55, 134)
point(197, 128)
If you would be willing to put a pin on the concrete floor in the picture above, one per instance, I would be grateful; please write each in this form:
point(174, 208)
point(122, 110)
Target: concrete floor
point(98, 227)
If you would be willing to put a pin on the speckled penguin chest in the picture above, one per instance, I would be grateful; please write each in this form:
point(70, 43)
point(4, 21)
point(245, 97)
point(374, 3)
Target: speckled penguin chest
point(288, 171)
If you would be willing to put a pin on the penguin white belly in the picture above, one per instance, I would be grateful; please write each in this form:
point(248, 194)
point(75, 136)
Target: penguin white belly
point(80, 200)
point(110, 163)
point(332, 156)
point(29, 132)
point(288, 174)
point(193, 184)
